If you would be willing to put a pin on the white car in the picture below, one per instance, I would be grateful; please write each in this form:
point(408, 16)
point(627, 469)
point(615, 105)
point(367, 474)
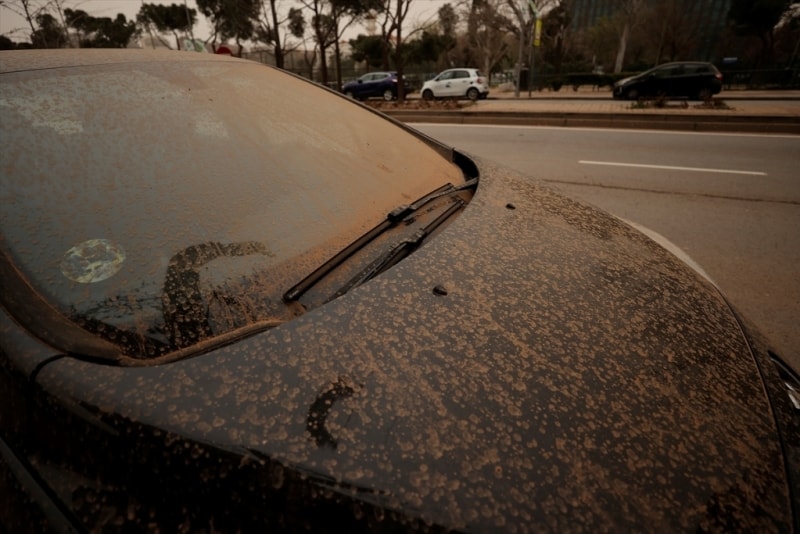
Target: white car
point(457, 83)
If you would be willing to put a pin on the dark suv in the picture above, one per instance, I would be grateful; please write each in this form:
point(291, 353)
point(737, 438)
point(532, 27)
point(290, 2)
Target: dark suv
point(691, 79)
point(375, 84)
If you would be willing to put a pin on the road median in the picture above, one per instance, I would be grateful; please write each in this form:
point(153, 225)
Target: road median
point(695, 122)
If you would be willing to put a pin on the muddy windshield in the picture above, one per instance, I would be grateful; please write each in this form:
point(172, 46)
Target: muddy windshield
point(181, 200)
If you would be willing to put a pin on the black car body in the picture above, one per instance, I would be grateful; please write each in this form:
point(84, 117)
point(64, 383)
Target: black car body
point(375, 84)
point(689, 79)
point(217, 316)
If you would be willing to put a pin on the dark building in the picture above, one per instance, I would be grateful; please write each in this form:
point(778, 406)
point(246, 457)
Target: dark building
point(706, 19)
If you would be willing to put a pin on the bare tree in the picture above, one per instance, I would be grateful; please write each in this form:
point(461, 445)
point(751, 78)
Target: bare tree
point(526, 13)
point(31, 11)
point(310, 60)
point(323, 31)
point(393, 14)
point(629, 11)
point(491, 23)
point(525, 18)
point(669, 27)
point(345, 13)
point(759, 18)
point(277, 27)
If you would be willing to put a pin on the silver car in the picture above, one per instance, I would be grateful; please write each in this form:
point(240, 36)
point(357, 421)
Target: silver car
point(457, 83)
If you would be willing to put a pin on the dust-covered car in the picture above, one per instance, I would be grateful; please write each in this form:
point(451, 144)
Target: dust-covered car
point(225, 309)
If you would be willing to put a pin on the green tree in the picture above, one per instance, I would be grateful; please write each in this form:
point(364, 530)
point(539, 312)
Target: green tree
point(787, 37)
point(554, 34)
point(491, 23)
point(367, 48)
point(344, 13)
point(80, 21)
point(50, 33)
point(393, 15)
point(428, 49)
point(6, 43)
point(604, 41)
point(232, 19)
point(171, 18)
point(448, 25)
point(758, 18)
point(100, 32)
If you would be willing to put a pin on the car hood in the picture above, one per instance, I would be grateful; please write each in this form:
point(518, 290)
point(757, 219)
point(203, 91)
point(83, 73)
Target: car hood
point(539, 365)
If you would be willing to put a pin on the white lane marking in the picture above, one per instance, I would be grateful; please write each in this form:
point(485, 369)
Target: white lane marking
point(671, 168)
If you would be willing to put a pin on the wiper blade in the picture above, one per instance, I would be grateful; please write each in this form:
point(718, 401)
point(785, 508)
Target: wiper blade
point(399, 251)
point(393, 218)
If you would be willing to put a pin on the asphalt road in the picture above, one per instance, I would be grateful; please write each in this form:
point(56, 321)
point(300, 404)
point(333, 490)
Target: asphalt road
point(731, 201)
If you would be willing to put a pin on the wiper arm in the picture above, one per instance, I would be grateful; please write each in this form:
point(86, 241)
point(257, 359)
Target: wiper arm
point(394, 217)
point(399, 251)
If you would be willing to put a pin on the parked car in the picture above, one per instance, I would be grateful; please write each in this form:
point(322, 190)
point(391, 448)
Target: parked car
point(224, 308)
point(457, 83)
point(690, 79)
point(375, 84)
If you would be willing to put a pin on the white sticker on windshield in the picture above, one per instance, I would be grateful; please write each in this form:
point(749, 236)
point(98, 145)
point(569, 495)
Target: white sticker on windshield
point(92, 261)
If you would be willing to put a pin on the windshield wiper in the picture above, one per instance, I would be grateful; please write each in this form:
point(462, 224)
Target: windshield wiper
point(393, 218)
point(399, 250)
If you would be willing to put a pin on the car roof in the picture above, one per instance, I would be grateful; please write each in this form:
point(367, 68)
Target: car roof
point(677, 63)
point(26, 60)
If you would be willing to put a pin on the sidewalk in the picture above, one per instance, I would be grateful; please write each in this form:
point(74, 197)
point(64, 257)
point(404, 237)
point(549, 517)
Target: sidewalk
point(766, 103)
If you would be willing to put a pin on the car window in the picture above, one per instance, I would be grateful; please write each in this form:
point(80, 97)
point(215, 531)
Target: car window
point(447, 75)
point(225, 181)
point(666, 72)
point(462, 74)
point(697, 69)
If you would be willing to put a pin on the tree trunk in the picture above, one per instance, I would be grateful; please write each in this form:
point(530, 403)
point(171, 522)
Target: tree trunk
point(623, 44)
point(276, 38)
point(336, 51)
